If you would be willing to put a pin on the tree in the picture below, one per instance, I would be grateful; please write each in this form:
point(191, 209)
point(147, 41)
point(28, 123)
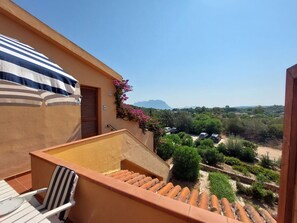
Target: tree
point(212, 157)
point(165, 148)
point(207, 123)
point(186, 163)
point(183, 121)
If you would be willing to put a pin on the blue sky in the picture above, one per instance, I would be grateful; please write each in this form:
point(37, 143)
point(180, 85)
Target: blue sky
point(185, 52)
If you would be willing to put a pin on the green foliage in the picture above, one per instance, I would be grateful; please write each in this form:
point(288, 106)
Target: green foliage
point(270, 175)
point(257, 191)
point(165, 148)
point(248, 155)
point(266, 162)
point(222, 148)
point(249, 144)
point(207, 142)
point(186, 163)
point(212, 157)
point(220, 186)
point(241, 169)
point(241, 149)
point(269, 197)
point(186, 139)
point(197, 142)
point(174, 138)
point(207, 123)
point(183, 121)
point(232, 161)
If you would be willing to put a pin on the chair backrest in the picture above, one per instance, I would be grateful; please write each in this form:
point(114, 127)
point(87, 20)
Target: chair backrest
point(60, 190)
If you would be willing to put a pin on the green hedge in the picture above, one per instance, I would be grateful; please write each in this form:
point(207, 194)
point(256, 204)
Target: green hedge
point(220, 186)
point(186, 163)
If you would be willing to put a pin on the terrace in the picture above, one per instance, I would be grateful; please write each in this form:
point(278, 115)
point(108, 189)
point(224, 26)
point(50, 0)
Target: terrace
point(112, 177)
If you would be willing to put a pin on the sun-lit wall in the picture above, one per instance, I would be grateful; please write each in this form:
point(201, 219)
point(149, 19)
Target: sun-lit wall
point(106, 152)
point(104, 199)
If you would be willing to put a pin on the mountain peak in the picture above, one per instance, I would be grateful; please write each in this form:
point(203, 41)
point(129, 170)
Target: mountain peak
point(157, 104)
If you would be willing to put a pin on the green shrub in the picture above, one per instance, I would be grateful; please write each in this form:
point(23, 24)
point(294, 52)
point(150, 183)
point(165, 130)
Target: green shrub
point(257, 191)
point(197, 142)
point(241, 169)
point(186, 163)
point(174, 138)
point(249, 144)
point(206, 142)
point(220, 186)
point(212, 157)
point(223, 149)
point(241, 149)
point(186, 139)
point(248, 155)
point(266, 162)
point(269, 197)
point(234, 146)
point(165, 148)
point(232, 161)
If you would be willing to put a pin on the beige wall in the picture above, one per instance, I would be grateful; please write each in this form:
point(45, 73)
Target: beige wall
point(147, 138)
point(24, 129)
point(104, 154)
point(100, 154)
point(140, 155)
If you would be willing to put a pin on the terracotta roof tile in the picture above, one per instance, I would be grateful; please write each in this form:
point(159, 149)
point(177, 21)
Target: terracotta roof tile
point(242, 215)
point(174, 192)
point(227, 209)
point(194, 198)
point(157, 186)
point(214, 204)
point(247, 214)
point(165, 189)
point(135, 179)
point(203, 201)
point(143, 181)
point(254, 215)
point(183, 194)
point(150, 184)
point(266, 216)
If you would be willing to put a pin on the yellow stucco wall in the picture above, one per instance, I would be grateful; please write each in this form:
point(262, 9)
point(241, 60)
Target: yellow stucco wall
point(24, 129)
point(104, 154)
point(147, 138)
point(100, 154)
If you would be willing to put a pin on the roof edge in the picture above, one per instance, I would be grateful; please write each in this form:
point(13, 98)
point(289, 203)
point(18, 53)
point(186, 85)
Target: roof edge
point(23, 17)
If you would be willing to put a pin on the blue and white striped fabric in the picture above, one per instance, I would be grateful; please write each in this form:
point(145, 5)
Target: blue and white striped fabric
point(29, 77)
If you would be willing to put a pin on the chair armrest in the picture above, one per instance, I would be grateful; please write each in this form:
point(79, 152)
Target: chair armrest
point(58, 209)
point(28, 196)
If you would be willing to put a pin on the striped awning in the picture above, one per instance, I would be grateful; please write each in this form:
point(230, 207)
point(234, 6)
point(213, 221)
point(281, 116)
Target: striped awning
point(28, 77)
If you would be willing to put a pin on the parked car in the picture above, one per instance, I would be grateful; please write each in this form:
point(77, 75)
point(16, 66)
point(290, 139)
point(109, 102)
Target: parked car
point(215, 138)
point(203, 135)
point(167, 129)
point(173, 130)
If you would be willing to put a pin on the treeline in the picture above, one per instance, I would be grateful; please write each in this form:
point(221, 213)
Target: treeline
point(260, 124)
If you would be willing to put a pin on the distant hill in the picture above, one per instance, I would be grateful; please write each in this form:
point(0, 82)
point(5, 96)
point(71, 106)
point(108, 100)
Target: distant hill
point(157, 104)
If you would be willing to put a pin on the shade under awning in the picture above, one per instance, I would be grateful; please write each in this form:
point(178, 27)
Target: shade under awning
point(27, 77)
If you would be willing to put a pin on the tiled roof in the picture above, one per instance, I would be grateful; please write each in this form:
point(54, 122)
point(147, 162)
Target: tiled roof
point(246, 214)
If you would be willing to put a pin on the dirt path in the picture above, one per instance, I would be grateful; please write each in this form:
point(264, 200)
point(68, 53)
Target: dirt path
point(272, 153)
